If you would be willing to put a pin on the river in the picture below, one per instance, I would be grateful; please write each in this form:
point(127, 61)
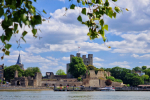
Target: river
point(95, 95)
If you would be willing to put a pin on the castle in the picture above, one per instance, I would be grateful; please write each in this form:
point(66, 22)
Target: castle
point(89, 79)
point(87, 61)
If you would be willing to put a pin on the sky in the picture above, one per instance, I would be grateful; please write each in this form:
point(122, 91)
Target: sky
point(128, 36)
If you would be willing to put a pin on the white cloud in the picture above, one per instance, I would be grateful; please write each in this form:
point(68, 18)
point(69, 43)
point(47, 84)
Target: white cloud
point(123, 64)
point(97, 65)
point(97, 59)
point(66, 58)
point(146, 56)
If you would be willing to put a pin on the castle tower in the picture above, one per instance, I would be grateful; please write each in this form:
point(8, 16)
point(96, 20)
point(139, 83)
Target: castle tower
point(71, 58)
point(19, 63)
point(16, 74)
point(78, 55)
point(90, 58)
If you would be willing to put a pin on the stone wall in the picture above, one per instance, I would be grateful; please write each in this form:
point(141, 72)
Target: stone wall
point(63, 82)
point(38, 78)
point(99, 74)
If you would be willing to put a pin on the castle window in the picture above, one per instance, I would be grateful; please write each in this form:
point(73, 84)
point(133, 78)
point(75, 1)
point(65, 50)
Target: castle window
point(87, 61)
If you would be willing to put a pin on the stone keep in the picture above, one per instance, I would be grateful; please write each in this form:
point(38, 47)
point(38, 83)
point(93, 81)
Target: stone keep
point(87, 61)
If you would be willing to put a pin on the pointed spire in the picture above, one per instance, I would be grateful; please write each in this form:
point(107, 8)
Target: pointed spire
point(19, 60)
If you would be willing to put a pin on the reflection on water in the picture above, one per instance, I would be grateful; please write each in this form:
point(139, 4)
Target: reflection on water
point(51, 95)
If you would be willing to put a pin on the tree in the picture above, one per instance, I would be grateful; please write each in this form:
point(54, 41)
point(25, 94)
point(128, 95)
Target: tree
point(30, 71)
point(16, 13)
point(9, 72)
point(145, 77)
point(111, 78)
point(119, 73)
point(77, 67)
point(137, 69)
point(144, 67)
point(60, 72)
point(133, 79)
point(108, 82)
point(0, 81)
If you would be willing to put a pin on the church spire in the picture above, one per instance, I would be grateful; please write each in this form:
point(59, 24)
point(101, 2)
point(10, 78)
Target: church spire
point(19, 60)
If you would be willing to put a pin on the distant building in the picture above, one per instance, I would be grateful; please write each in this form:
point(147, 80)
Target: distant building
point(19, 63)
point(87, 61)
point(2, 72)
point(140, 73)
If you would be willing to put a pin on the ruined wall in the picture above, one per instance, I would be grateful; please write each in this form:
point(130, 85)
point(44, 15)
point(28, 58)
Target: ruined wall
point(38, 79)
point(99, 74)
point(63, 82)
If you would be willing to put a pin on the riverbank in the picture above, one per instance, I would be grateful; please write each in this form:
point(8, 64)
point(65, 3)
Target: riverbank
point(25, 89)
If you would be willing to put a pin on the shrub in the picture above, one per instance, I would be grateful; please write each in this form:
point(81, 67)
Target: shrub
point(79, 79)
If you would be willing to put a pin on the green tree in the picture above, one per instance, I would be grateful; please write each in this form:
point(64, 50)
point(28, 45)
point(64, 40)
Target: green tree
point(133, 79)
point(111, 78)
point(9, 72)
point(144, 67)
point(77, 67)
point(60, 72)
point(137, 69)
point(119, 73)
point(145, 77)
point(0, 81)
point(30, 71)
point(16, 13)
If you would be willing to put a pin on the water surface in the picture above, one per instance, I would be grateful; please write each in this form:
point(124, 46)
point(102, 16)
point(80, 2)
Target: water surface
point(51, 95)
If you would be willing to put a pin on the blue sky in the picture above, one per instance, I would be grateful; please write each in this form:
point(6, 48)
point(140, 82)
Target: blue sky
point(128, 35)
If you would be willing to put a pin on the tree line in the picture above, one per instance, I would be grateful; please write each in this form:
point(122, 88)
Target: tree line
point(9, 72)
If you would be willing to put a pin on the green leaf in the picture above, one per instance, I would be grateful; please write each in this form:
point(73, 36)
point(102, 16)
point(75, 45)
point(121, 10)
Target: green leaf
point(72, 6)
point(93, 1)
point(84, 11)
point(37, 19)
point(8, 46)
point(79, 18)
point(106, 27)
point(101, 22)
point(23, 39)
point(117, 9)
point(7, 53)
point(83, 3)
point(6, 18)
point(15, 27)
point(1, 11)
point(34, 31)
point(44, 11)
point(114, 14)
point(2, 38)
point(24, 33)
point(78, 1)
point(114, 0)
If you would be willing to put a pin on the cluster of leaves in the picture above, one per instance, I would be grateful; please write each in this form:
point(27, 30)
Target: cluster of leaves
point(77, 67)
point(91, 67)
point(113, 79)
point(9, 72)
point(30, 71)
point(96, 11)
point(79, 79)
point(60, 72)
point(129, 76)
point(15, 13)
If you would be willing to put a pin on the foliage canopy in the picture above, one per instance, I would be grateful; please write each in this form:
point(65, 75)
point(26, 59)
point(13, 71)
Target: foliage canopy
point(60, 72)
point(77, 67)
